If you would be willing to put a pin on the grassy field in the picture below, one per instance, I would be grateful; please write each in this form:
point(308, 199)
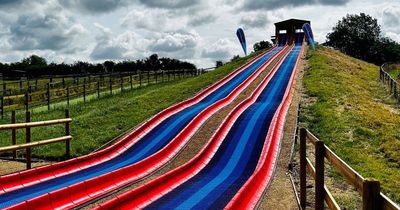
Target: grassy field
point(349, 109)
point(72, 88)
point(99, 121)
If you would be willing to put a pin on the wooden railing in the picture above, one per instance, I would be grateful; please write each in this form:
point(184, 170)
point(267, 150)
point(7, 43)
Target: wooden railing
point(372, 198)
point(26, 95)
point(391, 83)
point(28, 144)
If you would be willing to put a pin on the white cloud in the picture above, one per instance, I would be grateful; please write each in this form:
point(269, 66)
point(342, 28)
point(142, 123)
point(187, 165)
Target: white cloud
point(198, 31)
point(223, 49)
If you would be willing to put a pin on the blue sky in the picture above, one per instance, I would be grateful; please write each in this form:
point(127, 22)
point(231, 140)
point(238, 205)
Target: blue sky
point(199, 31)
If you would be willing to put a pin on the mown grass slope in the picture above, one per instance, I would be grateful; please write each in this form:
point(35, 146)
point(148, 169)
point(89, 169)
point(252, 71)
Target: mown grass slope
point(99, 121)
point(353, 114)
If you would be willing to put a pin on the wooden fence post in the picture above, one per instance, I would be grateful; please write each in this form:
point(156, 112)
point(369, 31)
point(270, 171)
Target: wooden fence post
point(162, 75)
point(2, 107)
point(169, 73)
point(140, 79)
point(98, 89)
point(148, 77)
point(122, 84)
point(28, 140)
point(48, 96)
point(27, 100)
point(390, 85)
point(84, 91)
point(156, 75)
point(131, 81)
point(67, 133)
point(67, 96)
point(319, 175)
point(110, 85)
point(371, 195)
point(4, 88)
point(303, 168)
point(14, 133)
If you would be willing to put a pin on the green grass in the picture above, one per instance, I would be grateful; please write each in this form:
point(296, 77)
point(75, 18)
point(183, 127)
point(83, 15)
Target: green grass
point(354, 115)
point(99, 121)
point(395, 73)
point(38, 94)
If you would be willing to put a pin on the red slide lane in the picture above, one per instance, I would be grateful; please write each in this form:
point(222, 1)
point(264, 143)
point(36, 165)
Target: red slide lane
point(30, 177)
point(142, 196)
point(98, 186)
point(250, 193)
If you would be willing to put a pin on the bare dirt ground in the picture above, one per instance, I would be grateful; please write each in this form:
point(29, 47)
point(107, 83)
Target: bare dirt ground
point(9, 166)
point(198, 141)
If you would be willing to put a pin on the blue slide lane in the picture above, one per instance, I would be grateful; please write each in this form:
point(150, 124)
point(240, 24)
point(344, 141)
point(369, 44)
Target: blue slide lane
point(159, 137)
point(236, 159)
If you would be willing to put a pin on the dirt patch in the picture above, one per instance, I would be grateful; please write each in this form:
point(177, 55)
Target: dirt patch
point(280, 194)
point(198, 141)
point(8, 166)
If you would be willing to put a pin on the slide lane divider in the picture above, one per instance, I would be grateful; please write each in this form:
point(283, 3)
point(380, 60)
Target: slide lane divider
point(144, 195)
point(104, 184)
point(33, 176)
point(250, 193)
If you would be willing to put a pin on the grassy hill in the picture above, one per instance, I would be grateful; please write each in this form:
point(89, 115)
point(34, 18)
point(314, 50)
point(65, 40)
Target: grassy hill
point(99, 121)
point(348, 108)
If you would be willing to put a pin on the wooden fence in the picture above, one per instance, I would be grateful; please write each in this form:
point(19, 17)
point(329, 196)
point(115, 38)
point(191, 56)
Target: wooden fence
point(28, 144)
point(391, 83)
point(63, 91)
point(372, 198)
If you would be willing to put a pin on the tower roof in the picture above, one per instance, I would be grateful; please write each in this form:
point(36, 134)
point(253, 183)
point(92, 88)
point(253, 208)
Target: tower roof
point(291, 22)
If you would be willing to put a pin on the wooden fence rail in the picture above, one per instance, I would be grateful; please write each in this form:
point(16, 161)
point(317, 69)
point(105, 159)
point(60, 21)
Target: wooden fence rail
point(391, 83)
point(28, 144)
point(52, 93)
point(369, 189)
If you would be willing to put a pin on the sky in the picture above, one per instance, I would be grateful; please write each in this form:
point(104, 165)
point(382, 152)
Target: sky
point(198, 31)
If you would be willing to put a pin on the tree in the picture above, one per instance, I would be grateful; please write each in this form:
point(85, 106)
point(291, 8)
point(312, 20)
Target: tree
point(218, 64)
point(109, 66)
point(153, 63)
point(35, 60)
point(360, 36)
point(262, 45)
point(235, 58)
point(354, 35)
point(385, 50)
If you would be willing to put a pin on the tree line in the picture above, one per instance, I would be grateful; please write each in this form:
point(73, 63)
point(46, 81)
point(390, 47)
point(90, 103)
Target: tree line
point(35, 66)
point(360, 36)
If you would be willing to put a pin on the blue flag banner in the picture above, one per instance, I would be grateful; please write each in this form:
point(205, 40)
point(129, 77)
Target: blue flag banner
point(242, 39)
point(309, 34)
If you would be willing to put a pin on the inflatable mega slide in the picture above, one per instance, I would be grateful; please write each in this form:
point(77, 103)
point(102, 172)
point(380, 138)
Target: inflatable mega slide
point(140, 152)
point(237, 164)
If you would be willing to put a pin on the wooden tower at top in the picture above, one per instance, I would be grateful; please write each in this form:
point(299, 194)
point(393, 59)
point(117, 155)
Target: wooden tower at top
point(287, 29)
